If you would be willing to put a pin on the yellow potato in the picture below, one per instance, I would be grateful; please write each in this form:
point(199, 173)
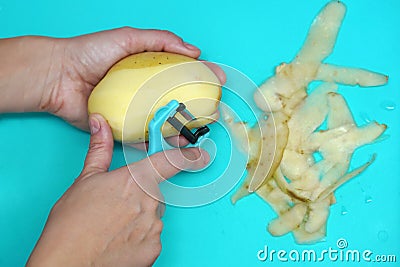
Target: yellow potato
point(135, 87)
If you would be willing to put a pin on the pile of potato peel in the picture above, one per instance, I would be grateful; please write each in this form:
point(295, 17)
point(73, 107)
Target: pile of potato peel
point(281, 166)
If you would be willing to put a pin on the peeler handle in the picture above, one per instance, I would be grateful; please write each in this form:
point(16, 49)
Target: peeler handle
point(167, 113)
point(155, 135)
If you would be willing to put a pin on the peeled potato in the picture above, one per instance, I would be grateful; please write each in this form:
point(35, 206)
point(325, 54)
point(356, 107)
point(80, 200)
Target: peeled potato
point(135, 87)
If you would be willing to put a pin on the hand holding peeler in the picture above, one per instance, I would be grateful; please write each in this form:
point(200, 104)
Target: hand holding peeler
point(168, 114)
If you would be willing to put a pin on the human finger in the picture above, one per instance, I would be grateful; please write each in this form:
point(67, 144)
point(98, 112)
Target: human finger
point(98, 158)
point(217, 71)
point(166, 164)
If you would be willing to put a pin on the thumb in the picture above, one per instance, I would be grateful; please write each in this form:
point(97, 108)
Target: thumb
point(98, 158)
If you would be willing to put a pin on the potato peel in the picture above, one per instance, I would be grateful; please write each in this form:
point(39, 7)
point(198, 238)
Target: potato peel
point(271, 153)
point(299, 188)
point(350, 76)
point(288, 221)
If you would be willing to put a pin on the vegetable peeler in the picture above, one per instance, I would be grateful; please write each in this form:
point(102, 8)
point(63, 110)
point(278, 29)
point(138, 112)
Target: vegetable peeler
point(168, 113)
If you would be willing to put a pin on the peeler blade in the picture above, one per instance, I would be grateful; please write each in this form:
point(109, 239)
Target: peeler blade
point(192, 137)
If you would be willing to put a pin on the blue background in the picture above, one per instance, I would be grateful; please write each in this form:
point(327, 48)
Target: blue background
point(41, 155)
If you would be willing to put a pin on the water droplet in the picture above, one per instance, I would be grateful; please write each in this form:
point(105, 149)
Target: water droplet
point(365, 117)
point(388, 105)
point(344, 211)
point(265, 117)
point(383, 235)
point(368, 199)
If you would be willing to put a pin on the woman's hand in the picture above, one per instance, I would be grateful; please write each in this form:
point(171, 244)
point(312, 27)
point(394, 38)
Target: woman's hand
point(58, 75)
point(105, 218)
point(86, 59)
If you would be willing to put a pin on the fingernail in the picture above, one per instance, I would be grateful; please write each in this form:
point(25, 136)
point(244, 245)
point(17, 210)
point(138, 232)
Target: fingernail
point(94, 125)
point(197, 155)
point(189, 46)
point(191, 154)
point(205, 156)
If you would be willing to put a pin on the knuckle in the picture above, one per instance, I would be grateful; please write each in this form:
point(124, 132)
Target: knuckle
point(150, 204)
point(125, 28)
point(136, 210)
point(170, 35)
point(96, 145)
point(158, 226)
point(128, 30)
point(153, 251)
point(167, 32)
point(157, 248)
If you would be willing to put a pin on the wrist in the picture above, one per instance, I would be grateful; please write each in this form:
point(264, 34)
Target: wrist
point(52, 251)
point(28, 74)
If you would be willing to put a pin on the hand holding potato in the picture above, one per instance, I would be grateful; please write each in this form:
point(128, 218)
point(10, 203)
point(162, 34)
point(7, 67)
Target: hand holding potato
point(105, 218)
point(58, 75)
